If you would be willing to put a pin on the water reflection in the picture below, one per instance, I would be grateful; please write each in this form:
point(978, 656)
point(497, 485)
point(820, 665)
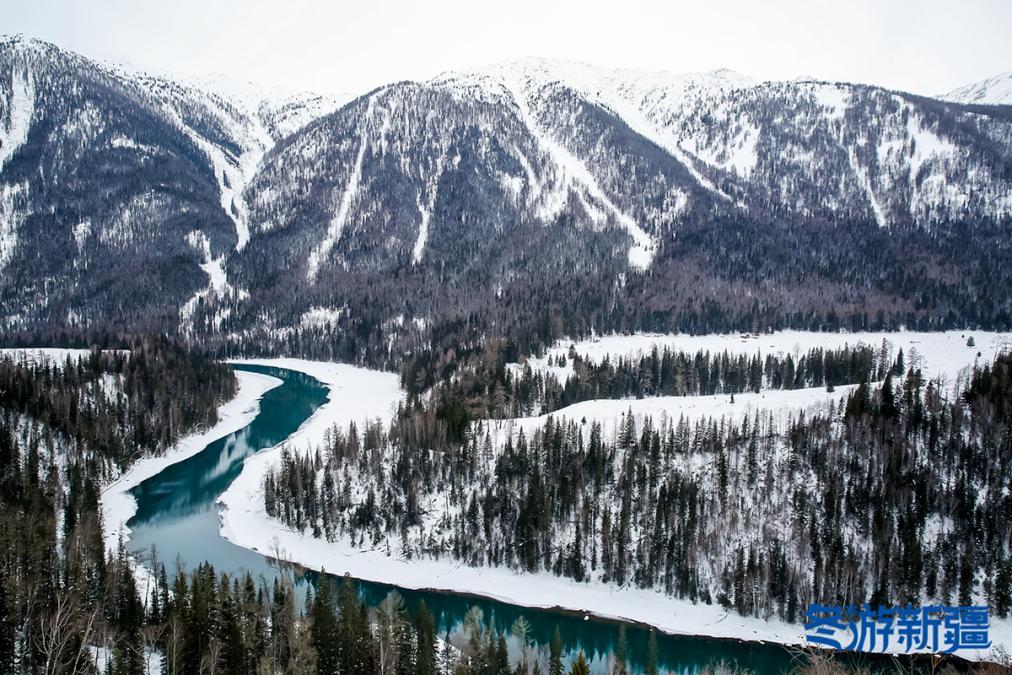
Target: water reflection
point(176, 512)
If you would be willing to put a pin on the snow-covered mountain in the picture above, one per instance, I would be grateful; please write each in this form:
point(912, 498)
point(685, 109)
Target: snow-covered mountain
point(235, 124)
point(414, 171)
point(995, 90)
point(122, 185)
point(808, 148)
point(225, 208)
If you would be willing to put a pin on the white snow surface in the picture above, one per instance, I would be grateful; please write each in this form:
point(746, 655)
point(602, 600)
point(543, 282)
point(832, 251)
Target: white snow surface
point(943, 353)
point(20, 108)
point(781, 403)
point(52, 355)
point(119, 506)
point(321, 317)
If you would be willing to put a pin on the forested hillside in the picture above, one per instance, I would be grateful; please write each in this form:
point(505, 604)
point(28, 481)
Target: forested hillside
point(898, 494)
point(490, 387)
point(66, 428)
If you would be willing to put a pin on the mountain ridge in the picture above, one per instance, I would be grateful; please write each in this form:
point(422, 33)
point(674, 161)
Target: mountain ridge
point(181, 206)
point(995, 90)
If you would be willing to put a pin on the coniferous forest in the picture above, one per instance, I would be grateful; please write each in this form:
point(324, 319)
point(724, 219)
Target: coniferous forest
point(896, 494)
point(65, 429)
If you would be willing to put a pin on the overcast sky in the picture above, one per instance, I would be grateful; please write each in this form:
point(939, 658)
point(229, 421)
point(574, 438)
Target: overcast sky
point(923, 46)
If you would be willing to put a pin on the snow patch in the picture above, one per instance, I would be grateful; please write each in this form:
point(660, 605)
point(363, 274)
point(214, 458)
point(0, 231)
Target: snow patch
point(214, 268)
point(864, 181)
point(995, 90)
point(321, 317)
point(13, 211)
point(576, 176)
point(323, 249)
point(53, 356)
point(425, 209)
point(780, 403)
point(81, 233)
point(942, 354)
point(20, 109)
point(832, 98)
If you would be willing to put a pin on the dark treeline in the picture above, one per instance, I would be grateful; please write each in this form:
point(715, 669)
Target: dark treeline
point(486, 386)
point(119, 402)
point(66, 428)
point(756, 277)
point(670, 373)
point(898, 495)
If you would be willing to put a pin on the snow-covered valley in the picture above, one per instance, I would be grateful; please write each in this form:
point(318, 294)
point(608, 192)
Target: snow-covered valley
point(360, 396)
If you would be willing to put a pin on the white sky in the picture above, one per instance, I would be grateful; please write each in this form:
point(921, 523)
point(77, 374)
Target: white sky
point(923, 46)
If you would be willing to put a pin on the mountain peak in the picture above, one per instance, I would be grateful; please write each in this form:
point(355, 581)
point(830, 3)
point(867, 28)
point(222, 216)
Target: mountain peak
point(995, 90)
point(23, 42)
point(582, 73)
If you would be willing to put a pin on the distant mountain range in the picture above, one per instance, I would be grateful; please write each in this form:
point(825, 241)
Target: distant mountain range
point(995, 90)
point(504, 197)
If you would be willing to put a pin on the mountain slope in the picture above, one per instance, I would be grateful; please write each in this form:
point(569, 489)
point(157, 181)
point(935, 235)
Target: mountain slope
point(810, 148)
point(523, 200)
point(124, 189)
point(99, 190)
point(995, 90)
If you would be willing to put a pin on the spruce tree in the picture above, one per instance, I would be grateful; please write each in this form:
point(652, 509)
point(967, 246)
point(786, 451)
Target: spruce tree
point(323, 627)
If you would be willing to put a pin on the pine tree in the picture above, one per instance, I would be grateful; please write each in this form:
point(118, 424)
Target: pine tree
point(324, 636)
point(1003, 587)
point(8, 627)
point(353, 631)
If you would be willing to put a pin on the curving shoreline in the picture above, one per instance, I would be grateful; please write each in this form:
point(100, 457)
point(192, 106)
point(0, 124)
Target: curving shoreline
point(244, 522)
point(119, 506)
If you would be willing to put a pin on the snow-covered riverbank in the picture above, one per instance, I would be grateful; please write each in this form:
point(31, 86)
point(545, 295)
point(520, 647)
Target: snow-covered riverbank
point(357, 394)
point(119, 506)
